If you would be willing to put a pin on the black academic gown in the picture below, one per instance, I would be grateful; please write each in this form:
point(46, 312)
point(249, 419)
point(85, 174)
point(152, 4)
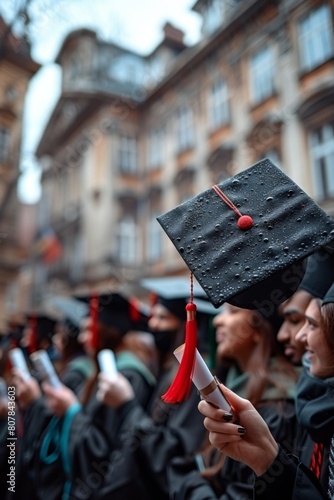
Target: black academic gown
point(315, 412)
point(40, 473)
point(93, 431)
point(288, 478)
point(235, 479)
point(140, 449)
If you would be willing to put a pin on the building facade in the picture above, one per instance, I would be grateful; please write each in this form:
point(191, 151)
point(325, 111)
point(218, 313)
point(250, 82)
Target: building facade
point(16, 69)
point(132, 136)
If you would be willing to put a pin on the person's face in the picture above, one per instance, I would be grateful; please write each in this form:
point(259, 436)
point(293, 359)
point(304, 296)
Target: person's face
point(165, 327)
point(235, 333)
point(293, 312)
point(319, 354)
point(26, 336)
point(85, 336)
point(60, 339)
point(163, 320)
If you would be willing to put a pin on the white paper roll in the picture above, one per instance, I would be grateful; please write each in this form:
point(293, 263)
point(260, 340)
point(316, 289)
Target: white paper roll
point(107, 363)
point(45, 368)
point(205, 381)
point(18, 361)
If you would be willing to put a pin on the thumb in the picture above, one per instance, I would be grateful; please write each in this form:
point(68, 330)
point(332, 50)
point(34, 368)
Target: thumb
point(237, 403)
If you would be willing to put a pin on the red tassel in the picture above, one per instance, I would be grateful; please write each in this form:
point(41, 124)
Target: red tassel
point(181, 385)
point(33, 342)
point(134, 310)
point(94, 314)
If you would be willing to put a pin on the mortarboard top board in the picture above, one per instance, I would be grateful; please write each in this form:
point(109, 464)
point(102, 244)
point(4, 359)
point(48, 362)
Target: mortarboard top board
point(247, 261)
point(173, 292)
point(118, 311)
point(319, 273)
point(72, 312)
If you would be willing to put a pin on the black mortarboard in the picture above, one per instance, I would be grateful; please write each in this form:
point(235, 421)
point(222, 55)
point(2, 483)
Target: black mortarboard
point(319, 274)
point(72, 312)
point(173, 292)
point(117, 311)
point(43, 328)
point(246, 239)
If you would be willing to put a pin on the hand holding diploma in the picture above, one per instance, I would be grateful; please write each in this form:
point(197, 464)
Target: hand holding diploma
point(249, 441)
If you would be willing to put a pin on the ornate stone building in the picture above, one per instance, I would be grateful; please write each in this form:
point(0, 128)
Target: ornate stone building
point(16, 69)
point(132, 136)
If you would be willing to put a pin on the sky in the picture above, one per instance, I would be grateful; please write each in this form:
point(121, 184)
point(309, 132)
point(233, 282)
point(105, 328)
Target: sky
point(132, 24)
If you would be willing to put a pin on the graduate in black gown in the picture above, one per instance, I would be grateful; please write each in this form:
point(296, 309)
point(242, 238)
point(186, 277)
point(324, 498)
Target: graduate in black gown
point(246, 241)
point(116, 323)
point(40, 469)
point(145, 438)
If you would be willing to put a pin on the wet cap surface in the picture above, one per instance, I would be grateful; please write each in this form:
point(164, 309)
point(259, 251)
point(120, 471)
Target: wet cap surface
point(246, 266)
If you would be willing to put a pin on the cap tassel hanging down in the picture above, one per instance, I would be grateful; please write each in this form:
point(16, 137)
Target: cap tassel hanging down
point(245, 221)
point(33, 344)
point(181, 385)
point(94, 314)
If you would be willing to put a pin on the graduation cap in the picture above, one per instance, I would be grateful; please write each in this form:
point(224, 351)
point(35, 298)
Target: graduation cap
point(246, 239)
point(117, 311)
point(319, 274)
point(173, 292)
point(43, 328)
point(72, 312)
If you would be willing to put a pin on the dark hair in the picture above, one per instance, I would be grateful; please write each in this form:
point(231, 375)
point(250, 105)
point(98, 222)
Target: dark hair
point(327, 324)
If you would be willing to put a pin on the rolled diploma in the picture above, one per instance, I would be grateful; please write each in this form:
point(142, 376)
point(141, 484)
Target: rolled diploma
point(205, 381)
point(45, 368)
point(107, 363)
point(19, 362)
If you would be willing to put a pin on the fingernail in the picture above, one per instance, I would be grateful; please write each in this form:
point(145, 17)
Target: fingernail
point(227, 417)
point(241, 430)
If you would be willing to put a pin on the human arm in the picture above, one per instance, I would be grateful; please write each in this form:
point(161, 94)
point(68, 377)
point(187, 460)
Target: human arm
point(249, 442)
point(278, 473)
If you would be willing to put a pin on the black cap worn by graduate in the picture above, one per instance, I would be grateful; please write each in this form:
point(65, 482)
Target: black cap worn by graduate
point(173, 292)
point(245, 241)
point(117, 311)
point(42, 328)
point(319, 274)
point(72, 312)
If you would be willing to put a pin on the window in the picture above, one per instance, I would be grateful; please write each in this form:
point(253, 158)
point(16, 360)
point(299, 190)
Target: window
point(262, 75)
point(128, 154)
point(315, 37)
point(156, 147)
point(218, 104)
point(4, 144)
point(154, 250)
point(322, 154)
point(185, 128)
point(127, 248)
